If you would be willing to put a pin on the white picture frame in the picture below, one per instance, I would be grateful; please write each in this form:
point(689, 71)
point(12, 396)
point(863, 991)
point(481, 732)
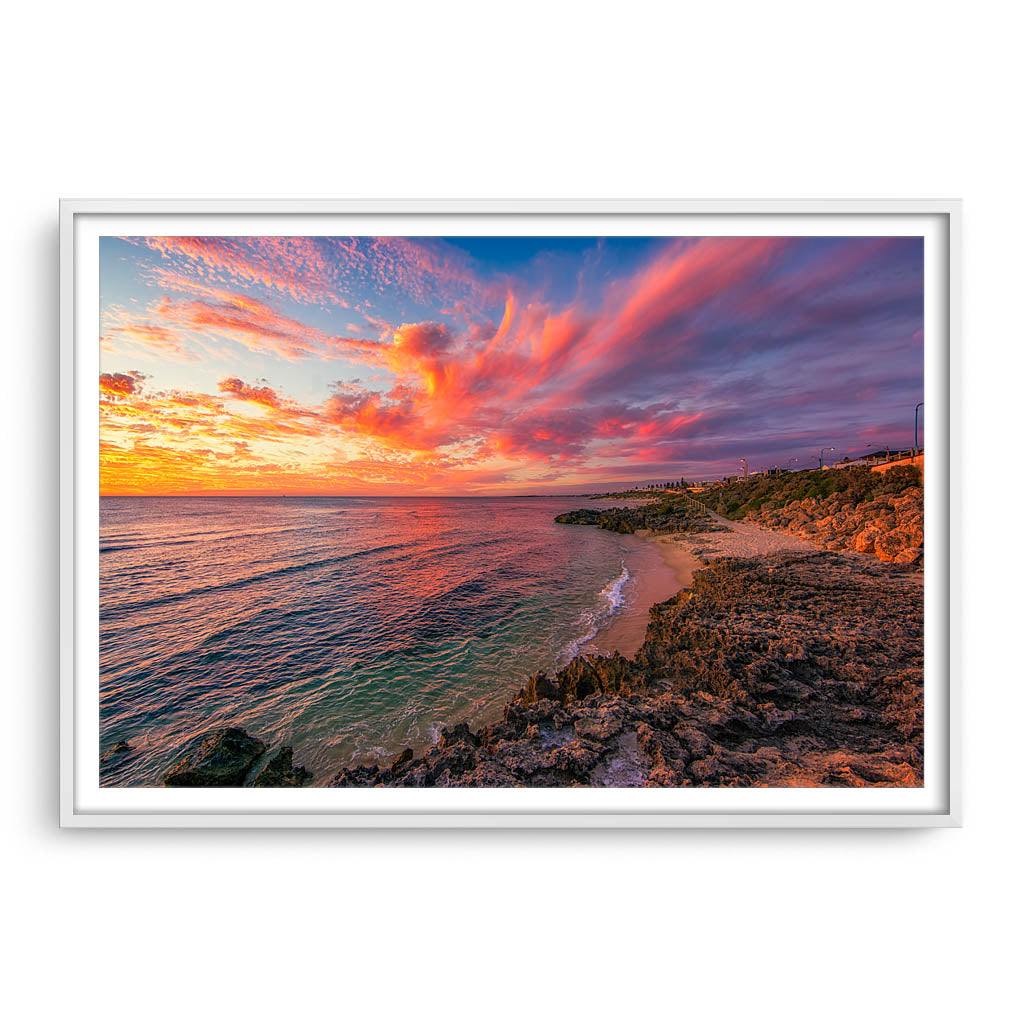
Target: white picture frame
point(84, 804)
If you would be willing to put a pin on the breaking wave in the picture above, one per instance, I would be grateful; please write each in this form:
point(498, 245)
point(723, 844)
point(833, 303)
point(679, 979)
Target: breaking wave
point(610, 599)
point(341, 627)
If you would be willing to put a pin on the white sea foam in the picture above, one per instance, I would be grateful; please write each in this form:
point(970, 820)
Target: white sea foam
point(613, 593)
point(572, 648)
point(612, 597)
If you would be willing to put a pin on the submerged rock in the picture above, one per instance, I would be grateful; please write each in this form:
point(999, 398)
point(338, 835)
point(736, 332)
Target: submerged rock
point(118, 752)
point(220, 757)
point(279, 772)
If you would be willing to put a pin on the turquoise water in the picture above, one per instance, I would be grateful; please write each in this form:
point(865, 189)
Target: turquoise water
point(347, 627)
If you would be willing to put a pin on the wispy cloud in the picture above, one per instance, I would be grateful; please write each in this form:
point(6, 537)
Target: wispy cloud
point(706, 351)
point(327, 271)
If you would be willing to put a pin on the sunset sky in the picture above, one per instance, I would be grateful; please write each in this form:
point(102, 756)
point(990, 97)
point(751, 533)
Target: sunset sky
point(317, 365)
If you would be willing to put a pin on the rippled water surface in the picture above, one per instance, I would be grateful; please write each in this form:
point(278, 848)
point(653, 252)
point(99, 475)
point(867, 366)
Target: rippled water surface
point(347, 627)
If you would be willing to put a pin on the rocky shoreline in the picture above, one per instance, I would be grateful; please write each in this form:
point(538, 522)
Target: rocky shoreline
point(890, 527)
point(662, 517)
point(880, 514)
point(790, 670)
point(222, 757)
point(795, 668)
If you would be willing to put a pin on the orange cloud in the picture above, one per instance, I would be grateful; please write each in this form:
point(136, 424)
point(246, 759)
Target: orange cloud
point(642, 373)
point(119, 384)
point(236, 388)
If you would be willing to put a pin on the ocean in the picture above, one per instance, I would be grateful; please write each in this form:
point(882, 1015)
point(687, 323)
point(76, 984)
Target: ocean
point(348, 628)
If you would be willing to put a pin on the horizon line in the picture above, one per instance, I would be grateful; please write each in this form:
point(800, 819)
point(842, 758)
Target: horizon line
point(270, 494)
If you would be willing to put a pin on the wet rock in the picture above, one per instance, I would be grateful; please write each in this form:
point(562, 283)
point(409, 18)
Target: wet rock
point(366, 775)
point(582, 517)
point(450, 762)
point(220, 757)
point(402, 760)
point(578, 680)
point(460, 733)
point(280, 772)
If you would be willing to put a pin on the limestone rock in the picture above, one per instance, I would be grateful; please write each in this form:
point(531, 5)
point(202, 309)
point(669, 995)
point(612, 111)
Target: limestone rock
point(601, 726)
point(669, 515)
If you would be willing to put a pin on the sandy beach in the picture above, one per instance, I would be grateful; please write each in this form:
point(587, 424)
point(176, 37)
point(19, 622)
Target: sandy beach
point(687, 552)
point(680, 555)
point(659, 572)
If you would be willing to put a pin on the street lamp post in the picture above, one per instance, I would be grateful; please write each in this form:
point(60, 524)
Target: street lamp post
point(917, 409)
point(821, 457)
point(744, 461)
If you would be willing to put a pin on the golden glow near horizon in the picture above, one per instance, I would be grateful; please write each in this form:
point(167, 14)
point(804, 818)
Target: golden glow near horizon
point(491, 366)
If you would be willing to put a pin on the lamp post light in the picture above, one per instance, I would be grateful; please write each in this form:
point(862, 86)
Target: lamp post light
point(744, 461)
point(917, 409)
point(821, 457)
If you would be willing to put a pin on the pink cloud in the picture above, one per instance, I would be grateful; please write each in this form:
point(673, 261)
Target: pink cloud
point(297, 267)
point(710, 340)
point(180, 326)
point(328, 271)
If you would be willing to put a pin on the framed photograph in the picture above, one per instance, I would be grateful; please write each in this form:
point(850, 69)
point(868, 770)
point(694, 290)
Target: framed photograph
point(509, 514)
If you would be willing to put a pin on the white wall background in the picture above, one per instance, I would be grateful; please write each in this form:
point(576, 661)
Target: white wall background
point(536, 100)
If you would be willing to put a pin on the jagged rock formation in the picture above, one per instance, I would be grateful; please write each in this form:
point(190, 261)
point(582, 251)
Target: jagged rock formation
point(891, 526)
point(792, 670)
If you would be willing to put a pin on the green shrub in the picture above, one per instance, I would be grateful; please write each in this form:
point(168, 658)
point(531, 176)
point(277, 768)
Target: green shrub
point(736, 499)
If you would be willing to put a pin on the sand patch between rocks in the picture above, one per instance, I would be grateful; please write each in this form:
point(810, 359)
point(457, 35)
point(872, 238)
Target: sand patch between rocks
point(689, 551)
